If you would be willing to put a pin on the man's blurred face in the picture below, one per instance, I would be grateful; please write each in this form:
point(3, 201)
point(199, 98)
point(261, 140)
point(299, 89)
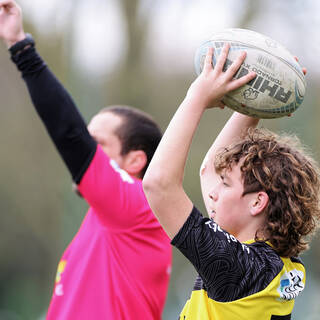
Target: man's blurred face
point(102, 128)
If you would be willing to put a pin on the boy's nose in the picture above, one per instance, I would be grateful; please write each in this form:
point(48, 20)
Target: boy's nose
point(213, 196)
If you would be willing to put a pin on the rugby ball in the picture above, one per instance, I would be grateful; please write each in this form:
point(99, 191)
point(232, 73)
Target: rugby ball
point(279, 87)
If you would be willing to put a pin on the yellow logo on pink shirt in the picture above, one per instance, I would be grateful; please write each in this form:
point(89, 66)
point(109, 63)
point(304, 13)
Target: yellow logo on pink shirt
point(58, 290)
point(61, 266)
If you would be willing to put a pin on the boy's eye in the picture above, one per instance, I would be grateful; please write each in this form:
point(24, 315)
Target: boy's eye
point(223, 181)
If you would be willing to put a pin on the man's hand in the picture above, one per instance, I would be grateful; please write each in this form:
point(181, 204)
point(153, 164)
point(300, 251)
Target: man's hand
point(11, 29)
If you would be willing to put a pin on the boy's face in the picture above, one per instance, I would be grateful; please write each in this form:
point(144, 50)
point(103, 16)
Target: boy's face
point(229, 209)
point(102, 128)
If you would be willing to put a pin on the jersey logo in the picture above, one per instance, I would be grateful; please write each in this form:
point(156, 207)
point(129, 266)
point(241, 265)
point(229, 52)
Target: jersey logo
point(123, 174)
point(58, 290)
point(61, 266)
point(291, 284)
point(229, 237)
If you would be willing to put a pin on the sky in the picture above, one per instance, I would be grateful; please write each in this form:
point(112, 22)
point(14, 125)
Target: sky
point(178, 28)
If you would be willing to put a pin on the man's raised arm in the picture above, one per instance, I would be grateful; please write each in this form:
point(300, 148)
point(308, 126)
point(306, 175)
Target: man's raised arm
point(52, 102)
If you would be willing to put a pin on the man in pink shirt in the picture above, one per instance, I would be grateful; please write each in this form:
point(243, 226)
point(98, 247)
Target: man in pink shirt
point(118, 264)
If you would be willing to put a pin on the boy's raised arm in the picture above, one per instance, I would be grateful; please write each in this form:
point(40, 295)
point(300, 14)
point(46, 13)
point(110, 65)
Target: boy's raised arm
point(163, 180)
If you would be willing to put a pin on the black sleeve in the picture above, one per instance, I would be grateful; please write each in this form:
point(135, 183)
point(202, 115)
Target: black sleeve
point(58, 112)
point(229, 269)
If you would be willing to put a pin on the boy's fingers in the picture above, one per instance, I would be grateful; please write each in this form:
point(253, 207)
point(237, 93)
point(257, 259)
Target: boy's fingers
point(208, 60)
point(222, 57)
point(235, 84)
point(233, 69)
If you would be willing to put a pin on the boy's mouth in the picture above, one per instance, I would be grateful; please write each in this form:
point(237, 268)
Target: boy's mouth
point(212, 214)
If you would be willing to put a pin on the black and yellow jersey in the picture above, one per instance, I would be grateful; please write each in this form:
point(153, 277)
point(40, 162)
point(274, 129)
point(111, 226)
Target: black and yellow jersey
point(236, 280)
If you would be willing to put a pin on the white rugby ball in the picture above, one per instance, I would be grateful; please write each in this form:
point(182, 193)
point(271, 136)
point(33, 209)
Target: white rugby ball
point(279, 87)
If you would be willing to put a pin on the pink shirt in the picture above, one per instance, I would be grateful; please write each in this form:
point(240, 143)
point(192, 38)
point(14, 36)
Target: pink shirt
point(118, 264)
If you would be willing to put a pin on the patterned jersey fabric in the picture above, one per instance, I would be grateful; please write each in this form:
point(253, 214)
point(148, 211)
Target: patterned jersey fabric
point(236, 280)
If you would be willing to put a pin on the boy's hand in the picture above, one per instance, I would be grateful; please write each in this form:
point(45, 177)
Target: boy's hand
point(212, 84)
point(11, 29)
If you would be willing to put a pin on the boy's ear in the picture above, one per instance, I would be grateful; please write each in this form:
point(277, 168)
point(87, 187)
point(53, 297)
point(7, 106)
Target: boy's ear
point(134, 162)
point(259, 203)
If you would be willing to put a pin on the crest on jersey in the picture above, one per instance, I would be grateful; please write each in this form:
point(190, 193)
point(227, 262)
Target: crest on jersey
point(291, 284)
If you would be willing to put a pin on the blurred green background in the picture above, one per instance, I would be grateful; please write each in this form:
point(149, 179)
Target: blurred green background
point(136, 52)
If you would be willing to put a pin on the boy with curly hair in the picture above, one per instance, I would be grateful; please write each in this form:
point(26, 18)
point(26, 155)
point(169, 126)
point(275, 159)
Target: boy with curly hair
point(262, 195)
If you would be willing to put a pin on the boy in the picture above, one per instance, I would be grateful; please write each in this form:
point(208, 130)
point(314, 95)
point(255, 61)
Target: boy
point(117, 266)
point(262, 195)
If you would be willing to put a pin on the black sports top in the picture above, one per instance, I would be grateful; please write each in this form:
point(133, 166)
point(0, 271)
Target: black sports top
point(55, 106)
point(236, 280)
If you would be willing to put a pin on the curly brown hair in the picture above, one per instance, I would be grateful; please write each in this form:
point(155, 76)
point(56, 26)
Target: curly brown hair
point(281, 167)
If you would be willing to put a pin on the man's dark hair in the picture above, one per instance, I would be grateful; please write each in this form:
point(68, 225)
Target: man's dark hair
point(137, 132)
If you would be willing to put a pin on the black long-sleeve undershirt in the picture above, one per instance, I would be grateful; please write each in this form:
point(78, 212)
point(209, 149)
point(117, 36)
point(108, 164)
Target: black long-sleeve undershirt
point(58, 112)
